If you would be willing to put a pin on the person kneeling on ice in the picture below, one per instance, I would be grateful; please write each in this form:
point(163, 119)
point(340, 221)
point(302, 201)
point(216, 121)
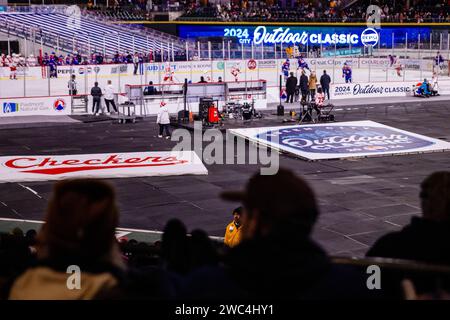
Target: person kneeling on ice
point(423, 88)
point(163, 120)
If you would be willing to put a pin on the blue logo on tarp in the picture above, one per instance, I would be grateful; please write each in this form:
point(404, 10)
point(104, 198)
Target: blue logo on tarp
point(344, 139)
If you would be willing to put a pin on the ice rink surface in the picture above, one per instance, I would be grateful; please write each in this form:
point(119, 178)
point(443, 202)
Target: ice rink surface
point(360, 199)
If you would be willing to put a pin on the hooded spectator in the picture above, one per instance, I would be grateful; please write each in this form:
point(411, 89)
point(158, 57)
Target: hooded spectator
point(78, 238)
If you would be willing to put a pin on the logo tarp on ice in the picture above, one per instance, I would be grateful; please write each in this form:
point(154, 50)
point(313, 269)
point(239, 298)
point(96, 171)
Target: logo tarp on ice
point(106, 165)
point(342, 140)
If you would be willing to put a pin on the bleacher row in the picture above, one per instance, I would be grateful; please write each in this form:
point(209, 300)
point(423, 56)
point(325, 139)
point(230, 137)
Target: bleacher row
point(96, 35)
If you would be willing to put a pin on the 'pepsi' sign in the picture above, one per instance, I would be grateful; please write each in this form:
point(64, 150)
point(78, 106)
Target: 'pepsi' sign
point(342, 140)
point(369, 37)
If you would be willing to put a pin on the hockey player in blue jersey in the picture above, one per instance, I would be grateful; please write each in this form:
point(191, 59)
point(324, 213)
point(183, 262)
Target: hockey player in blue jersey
point(439, 61)
point(347, 73)
point(302, 64)
point(285, 69)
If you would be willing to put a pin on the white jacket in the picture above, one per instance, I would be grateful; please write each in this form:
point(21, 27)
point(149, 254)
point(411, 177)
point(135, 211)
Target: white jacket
point(109, 92)
point(163, 116)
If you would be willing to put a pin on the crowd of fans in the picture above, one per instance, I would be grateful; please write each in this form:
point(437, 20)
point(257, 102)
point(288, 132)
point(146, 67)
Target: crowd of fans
point(53, 59)
point(268, 250)
point(322, 10)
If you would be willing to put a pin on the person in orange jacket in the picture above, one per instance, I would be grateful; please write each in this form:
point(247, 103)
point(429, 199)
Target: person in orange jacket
point(233, 231)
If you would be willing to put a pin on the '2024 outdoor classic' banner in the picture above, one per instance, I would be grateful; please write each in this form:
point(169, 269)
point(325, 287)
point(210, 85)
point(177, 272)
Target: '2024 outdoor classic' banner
point(102, 165)
point(342, 140)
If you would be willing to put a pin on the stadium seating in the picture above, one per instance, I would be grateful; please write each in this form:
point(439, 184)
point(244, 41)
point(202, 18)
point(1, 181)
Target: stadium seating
point(94, 34)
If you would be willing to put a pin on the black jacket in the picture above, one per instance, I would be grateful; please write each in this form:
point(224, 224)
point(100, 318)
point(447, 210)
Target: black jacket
point(96, 92)
point(276, 267)
point(304, 83)
point(325, 81)
point(423, 240)
point(291, 84)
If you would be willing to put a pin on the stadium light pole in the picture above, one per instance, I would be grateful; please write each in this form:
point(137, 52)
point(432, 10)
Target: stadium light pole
point(431, 43)
point(209, 51)
point(448, 52)
point(392, 43)
point(173, 53)
point(223, 49)
point(406, 46)
point(9, 46)
point(252, 49)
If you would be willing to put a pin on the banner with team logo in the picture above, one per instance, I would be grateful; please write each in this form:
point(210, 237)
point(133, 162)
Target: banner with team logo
point(104, 165)
point(51, 106)
point(342, 140)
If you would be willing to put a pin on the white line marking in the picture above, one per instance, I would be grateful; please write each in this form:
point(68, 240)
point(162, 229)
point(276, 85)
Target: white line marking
point(31, 190)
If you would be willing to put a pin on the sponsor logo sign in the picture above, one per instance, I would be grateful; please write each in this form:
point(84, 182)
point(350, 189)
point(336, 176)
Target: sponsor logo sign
point(59, 105)
point(251, 64)
point(83, 70)
point(123, 68)
point(369, 37)
point(9, 107)
point(370, 90)
point(342, 140)
point(34, 106)
point(107, 165)
point(267, 64)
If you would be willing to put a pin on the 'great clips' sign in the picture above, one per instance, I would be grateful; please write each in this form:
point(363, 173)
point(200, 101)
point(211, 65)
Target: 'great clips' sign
point(103, 165)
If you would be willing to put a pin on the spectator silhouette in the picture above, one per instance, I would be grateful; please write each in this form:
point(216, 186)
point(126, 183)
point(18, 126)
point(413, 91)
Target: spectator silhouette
point(79, 230)
point(175, 247)
point(426, 238)
point(277, 257)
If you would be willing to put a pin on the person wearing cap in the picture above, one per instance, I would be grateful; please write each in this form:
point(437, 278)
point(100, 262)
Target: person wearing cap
point(277, 257)
point(163, 120)
point(81, 219)
point(233, 230)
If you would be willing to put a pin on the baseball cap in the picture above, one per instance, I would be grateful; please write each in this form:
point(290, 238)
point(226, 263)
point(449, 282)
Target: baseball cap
point(282, 198)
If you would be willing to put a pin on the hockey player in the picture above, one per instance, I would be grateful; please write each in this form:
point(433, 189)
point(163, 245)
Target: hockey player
point(168, 74)
point(285, 69)
point(302, 64)
point(3, 60)
point(347, 73)
point(52, 66)
point(12, 63)
point(392, 60)
point(398, 67)
point(31, 61)
point(235, 71)
point(439, 61)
